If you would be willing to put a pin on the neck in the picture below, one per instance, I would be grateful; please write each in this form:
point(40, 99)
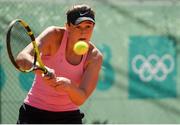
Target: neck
point(69, 50)
point(69, 46)
point(71, 57)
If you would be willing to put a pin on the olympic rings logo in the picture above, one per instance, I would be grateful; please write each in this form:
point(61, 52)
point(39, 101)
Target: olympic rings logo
point(147, 71)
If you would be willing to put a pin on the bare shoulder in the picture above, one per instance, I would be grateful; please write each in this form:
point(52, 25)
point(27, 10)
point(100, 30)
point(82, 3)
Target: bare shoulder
point(49, 40)
point(94, 57)
point(51, 33)
point(54, 30)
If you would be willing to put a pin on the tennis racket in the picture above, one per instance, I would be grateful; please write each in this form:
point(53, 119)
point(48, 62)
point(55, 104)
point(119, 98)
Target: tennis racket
point(19, 36)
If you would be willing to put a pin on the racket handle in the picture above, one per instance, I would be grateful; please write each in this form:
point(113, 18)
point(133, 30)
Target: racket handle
point(49, 73)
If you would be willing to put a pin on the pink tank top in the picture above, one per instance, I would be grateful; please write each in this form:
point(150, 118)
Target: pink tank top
point(43, 96)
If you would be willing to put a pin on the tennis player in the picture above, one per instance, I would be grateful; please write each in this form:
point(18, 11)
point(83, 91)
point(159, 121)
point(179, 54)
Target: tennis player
point(58, 99)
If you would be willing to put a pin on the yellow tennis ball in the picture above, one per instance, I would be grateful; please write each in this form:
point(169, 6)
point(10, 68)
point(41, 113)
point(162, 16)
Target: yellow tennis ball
point(81, 48)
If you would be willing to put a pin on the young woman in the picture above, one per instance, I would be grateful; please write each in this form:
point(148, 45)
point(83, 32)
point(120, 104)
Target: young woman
point(57, 100)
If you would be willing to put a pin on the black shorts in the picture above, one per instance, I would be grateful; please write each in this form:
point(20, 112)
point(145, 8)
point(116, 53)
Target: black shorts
point(32, 115)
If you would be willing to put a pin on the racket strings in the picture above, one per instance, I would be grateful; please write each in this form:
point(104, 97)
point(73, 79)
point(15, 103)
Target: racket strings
point(19, 40)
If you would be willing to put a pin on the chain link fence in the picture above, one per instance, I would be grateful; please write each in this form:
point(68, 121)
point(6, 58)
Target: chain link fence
point(138, 83)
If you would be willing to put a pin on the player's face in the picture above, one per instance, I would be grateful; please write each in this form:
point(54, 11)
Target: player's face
point(82, 31)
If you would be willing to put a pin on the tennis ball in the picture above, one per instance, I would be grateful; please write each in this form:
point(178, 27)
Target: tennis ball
point(81, 48)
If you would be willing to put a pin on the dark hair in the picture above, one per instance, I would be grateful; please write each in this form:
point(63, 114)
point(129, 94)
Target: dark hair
point(79, 13)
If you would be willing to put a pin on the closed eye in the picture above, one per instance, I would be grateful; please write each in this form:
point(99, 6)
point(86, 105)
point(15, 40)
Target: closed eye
point(88, 26)
point(77, 27)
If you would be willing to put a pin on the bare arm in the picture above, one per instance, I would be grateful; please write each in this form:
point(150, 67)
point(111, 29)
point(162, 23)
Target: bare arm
point(25, 57)
point(79, 94)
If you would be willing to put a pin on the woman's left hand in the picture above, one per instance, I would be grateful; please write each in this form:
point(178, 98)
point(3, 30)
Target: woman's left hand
point(62, 83)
